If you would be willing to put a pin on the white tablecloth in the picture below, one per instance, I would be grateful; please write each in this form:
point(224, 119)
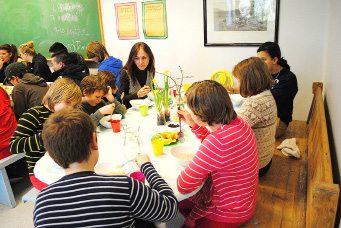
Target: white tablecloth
point(112, 151)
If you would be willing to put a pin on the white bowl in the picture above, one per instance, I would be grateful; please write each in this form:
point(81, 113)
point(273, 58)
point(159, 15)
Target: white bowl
point(111, 169)
point(105, 121)
point(137, 102)
point(183, 154)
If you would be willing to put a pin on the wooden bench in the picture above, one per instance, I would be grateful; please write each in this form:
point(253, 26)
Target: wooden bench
point(300, 192)
point(6, 192)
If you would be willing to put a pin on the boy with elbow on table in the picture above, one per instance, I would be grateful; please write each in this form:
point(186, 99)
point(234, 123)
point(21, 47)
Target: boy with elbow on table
point(83, 198)
point(94, 89)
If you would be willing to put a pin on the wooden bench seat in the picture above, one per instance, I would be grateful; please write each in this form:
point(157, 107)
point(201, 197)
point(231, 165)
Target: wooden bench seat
point(300, 192)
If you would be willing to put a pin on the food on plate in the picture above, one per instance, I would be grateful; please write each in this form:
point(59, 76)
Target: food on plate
point(173, 125)
point(183, 154)
point(167, 137)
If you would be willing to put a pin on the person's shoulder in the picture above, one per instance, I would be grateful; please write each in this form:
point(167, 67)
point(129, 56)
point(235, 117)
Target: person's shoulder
point(288, 74)
point(39, 58)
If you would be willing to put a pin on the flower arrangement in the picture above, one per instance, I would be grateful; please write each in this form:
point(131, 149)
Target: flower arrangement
point(158, 93)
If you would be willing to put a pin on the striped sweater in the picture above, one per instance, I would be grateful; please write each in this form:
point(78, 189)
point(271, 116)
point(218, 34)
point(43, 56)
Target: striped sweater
point(27, 137)
point(229, 156)
point(86, 199)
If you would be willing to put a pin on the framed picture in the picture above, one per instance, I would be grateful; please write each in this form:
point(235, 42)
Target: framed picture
point(240, 22)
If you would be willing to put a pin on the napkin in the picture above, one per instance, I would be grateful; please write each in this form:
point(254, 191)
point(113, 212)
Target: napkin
point(289, 148)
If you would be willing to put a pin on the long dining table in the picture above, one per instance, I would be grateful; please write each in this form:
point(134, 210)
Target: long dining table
point(120, 149)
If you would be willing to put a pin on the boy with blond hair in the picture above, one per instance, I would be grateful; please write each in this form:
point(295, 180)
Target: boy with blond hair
point(94, 89)
point(63, 93)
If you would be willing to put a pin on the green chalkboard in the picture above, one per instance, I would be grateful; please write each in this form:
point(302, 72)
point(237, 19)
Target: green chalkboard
point(72, 22)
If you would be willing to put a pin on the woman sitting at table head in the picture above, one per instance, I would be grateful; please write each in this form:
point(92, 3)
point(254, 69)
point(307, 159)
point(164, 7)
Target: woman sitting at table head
point(8, 54)
point(259, 107)
point(227, 161)
point(37, 64)
point(285, 88)
point(138, 73)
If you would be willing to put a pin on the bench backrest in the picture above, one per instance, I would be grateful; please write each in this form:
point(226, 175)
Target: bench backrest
point(322, 193)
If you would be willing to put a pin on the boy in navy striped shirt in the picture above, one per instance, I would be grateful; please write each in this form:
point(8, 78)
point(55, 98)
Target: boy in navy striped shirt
point(85, 199)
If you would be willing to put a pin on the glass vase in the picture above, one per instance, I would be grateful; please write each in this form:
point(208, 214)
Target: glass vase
point(161, 119)
point(167, 115)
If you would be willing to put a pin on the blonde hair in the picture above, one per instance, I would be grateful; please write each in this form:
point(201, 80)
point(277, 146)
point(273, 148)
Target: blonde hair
point(63, 89)
point(96, 49)
point(27, 48)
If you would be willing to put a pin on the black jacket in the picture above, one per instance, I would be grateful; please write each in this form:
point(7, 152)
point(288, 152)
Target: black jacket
point(72, 71)
point(39, 67)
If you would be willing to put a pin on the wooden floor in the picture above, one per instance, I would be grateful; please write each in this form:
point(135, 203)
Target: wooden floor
point(282, 191)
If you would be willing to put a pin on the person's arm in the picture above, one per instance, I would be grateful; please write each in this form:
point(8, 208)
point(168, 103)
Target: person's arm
point(156, 203)
point(197, 171)
point(119, 109)
point(125, 88)
point(26, 137)
point(19, 104)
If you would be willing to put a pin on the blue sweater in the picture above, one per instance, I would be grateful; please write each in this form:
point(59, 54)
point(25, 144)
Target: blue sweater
point(114, 66)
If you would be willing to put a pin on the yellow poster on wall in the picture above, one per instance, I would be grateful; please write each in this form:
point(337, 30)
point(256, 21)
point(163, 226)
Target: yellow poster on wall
point(154, 19)
point(126, 21)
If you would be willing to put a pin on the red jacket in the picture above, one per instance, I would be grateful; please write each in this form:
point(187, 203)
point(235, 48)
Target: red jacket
point(8, 123)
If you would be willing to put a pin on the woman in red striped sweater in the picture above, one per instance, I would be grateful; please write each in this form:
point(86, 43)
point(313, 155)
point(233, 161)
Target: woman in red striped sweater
point(226, 161)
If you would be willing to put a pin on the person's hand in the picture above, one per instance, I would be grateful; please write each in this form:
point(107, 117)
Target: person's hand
point(108, 109)
point(143, 91)
point(141, 159)
point(186, 116)
point(124, 108)
point(110, 97)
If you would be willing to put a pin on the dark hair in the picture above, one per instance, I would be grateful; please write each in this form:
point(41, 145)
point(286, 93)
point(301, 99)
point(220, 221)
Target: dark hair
point(61, 57)
point(96, 49)
point(253, 75)
point(10, 48)
point(210, 101)
point(91, 83)
point(107, 78)
point(131, 67)
point(67, 135)
point(58, 48)
point(275, 52)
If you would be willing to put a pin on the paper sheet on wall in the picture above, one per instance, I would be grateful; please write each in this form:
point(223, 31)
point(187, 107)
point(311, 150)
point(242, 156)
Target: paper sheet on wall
point(126, 21)
point(154, 19)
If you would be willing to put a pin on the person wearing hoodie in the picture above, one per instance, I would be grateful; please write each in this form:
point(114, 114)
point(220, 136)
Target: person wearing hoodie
point(37, 64)
point(99, 54)
point(28, 90)
point(64, 66)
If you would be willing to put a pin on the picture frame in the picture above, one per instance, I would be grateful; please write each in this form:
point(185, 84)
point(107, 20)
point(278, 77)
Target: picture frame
point(240, 22)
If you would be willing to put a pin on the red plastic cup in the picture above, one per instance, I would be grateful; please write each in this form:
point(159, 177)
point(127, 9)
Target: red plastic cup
point(138, 176)
point(116, 125)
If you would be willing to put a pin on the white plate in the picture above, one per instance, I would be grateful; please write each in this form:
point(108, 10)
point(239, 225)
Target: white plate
point(137, 102)
point(111, 169)
point(105, 122)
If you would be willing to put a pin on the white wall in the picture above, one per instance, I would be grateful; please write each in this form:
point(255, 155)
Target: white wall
point(333, 72)
point(302, 35)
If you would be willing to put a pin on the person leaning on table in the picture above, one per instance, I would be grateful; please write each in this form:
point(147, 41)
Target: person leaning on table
point(85, 199)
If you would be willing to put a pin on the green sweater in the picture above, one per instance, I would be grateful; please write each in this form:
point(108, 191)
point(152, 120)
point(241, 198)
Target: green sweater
point(27, 137)
point(96, 115)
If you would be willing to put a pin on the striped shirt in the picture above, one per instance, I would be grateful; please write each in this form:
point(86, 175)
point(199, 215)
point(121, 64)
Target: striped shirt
point(229, 155)
point(27, 137)
point(86, 199)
